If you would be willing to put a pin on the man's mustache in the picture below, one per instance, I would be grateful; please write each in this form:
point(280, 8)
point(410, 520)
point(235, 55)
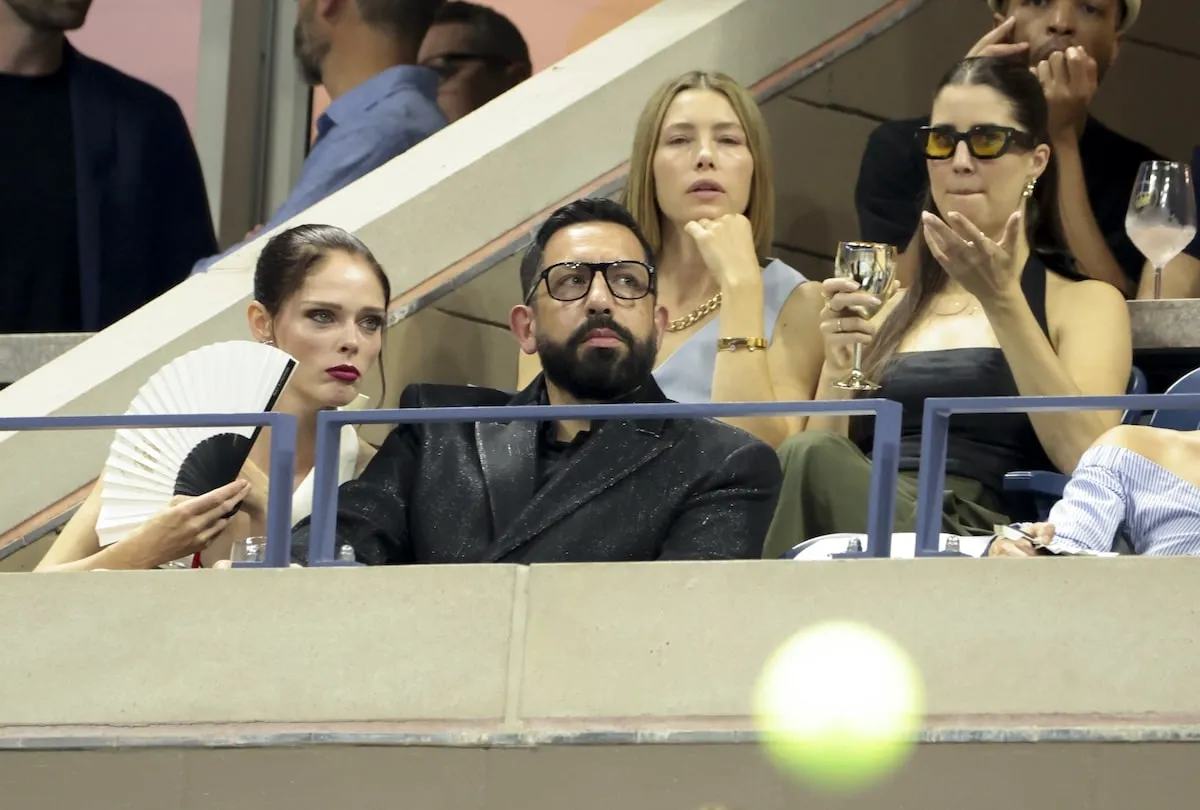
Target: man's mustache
point(600, 322)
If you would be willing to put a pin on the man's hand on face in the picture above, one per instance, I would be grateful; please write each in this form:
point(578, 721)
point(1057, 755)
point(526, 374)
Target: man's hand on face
point(1069, 79)
point(998, 42)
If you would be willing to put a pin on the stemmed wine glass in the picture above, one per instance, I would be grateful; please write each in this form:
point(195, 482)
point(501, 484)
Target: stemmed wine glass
point(873, 266)
point(1161, 219)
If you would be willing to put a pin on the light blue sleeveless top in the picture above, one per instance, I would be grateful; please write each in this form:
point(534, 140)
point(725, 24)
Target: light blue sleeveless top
point(687, 375)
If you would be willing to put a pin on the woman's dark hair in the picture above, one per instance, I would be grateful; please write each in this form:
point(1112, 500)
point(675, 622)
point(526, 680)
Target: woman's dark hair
point(1014, 81)
point(290, 257)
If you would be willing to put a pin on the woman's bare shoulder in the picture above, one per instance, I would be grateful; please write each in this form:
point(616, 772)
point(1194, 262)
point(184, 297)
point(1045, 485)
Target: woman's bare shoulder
point(1074, 290)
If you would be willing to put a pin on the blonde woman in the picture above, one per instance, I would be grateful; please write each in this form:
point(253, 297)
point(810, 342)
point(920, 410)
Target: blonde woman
point(743, 327)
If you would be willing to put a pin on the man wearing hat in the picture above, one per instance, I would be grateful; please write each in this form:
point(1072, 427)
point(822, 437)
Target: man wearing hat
point(1070, 45)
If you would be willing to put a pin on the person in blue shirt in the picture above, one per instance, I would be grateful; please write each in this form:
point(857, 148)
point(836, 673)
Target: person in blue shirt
point(1137, 481)
point(364, 53)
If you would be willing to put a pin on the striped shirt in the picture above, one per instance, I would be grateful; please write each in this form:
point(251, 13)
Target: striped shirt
point(1115, 490)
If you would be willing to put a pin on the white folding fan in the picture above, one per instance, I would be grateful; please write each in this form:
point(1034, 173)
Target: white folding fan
point(146, 468)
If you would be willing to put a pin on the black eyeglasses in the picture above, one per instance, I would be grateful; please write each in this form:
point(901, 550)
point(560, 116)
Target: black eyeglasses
point(628, 280)
point(984, 142)
point(448, 64)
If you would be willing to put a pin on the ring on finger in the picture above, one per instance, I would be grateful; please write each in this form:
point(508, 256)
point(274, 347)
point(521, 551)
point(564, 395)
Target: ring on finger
point(839, 326)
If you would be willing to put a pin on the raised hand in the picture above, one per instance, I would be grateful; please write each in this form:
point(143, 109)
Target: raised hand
point(727, 246)
point(1069, 79)
point(986, 269)
point(998, 42)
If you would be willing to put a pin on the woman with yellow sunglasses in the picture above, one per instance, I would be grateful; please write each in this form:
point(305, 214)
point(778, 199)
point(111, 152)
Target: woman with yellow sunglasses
point(996, 309)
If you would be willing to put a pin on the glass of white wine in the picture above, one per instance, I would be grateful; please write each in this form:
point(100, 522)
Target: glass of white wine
point(1161, 219)
point(873, 266)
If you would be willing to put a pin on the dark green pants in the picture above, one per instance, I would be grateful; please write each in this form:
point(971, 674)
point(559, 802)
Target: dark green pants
point(826, 487)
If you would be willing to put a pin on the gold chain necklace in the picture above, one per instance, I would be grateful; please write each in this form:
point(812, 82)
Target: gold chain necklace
point(696, 315)
point(964, 308)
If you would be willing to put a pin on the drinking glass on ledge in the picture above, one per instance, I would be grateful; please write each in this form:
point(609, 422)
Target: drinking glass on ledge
point(1161, 220)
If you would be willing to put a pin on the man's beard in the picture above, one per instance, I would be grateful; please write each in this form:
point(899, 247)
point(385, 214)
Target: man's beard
point(598, 373)
point(51, 16)
point(309, 54)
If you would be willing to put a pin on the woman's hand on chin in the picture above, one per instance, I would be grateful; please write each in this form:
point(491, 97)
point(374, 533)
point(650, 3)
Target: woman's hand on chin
point(727, 246)
point(988, 270)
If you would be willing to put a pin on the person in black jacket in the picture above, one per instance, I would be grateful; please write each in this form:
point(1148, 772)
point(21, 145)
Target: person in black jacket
point(537, 492)
point(104, 207)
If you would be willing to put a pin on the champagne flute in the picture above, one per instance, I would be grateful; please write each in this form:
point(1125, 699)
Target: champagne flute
point(1161, 220)
point(873, 267)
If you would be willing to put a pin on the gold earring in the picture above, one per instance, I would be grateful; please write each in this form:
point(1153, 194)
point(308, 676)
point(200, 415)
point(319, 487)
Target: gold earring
point(1029, 186)
point(269, 341)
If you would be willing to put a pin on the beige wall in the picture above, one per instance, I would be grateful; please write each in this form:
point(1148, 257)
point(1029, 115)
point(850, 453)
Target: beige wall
point(980, 776)
point(820, 126)
point(462, 679)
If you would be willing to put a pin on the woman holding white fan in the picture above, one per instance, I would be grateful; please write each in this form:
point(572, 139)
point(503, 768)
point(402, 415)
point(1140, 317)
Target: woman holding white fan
point(320, 298)
point(986, 316)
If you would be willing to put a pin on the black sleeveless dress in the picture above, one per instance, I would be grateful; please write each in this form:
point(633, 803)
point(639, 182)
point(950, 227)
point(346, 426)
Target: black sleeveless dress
point(982, 447)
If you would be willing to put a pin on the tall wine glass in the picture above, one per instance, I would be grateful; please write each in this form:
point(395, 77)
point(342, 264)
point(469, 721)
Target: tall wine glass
point(1161, 219)
point(873, 266)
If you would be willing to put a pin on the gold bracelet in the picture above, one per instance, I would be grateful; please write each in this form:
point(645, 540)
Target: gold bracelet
point(732, 344)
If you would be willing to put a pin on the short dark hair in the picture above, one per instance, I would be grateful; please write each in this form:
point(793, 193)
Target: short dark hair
point(490, 32)
point(588, 209)
point(409, 20)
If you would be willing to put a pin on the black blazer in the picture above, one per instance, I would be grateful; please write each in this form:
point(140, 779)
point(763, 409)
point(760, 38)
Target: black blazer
point(143, 209)
point(665, 489)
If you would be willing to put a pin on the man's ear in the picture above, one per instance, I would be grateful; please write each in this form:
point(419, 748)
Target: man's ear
point(330, 10)
point(661, 319)
point(521, 322)
point(517, 72)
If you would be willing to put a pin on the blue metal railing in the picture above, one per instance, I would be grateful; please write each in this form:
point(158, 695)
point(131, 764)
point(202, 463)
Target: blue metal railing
point(283, 457)
point(885, 452)
point(935, 431)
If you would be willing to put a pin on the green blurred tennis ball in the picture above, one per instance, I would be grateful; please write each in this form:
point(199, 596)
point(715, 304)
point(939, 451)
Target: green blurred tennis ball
point(839, 706)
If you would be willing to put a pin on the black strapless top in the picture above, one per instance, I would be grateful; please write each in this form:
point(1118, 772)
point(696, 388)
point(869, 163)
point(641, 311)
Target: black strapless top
point(982, 447)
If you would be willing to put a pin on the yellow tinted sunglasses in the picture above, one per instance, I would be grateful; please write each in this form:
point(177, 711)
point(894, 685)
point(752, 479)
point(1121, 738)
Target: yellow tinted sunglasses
point(984, 142)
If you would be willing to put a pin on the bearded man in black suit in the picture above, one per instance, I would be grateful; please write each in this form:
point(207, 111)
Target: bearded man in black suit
point(566, 491)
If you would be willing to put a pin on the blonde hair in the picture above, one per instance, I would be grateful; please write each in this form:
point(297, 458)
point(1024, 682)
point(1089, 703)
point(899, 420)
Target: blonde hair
point(641, 194)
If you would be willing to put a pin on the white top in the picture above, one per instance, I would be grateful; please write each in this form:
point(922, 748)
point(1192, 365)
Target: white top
point(302, 498)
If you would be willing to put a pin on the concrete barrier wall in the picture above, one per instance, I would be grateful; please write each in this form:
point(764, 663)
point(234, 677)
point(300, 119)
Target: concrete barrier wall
point(1079, 643)
point(1051, 684)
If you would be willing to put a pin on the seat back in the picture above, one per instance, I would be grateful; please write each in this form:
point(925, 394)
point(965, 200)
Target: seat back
point(1180, 420)
point(1137, 385)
